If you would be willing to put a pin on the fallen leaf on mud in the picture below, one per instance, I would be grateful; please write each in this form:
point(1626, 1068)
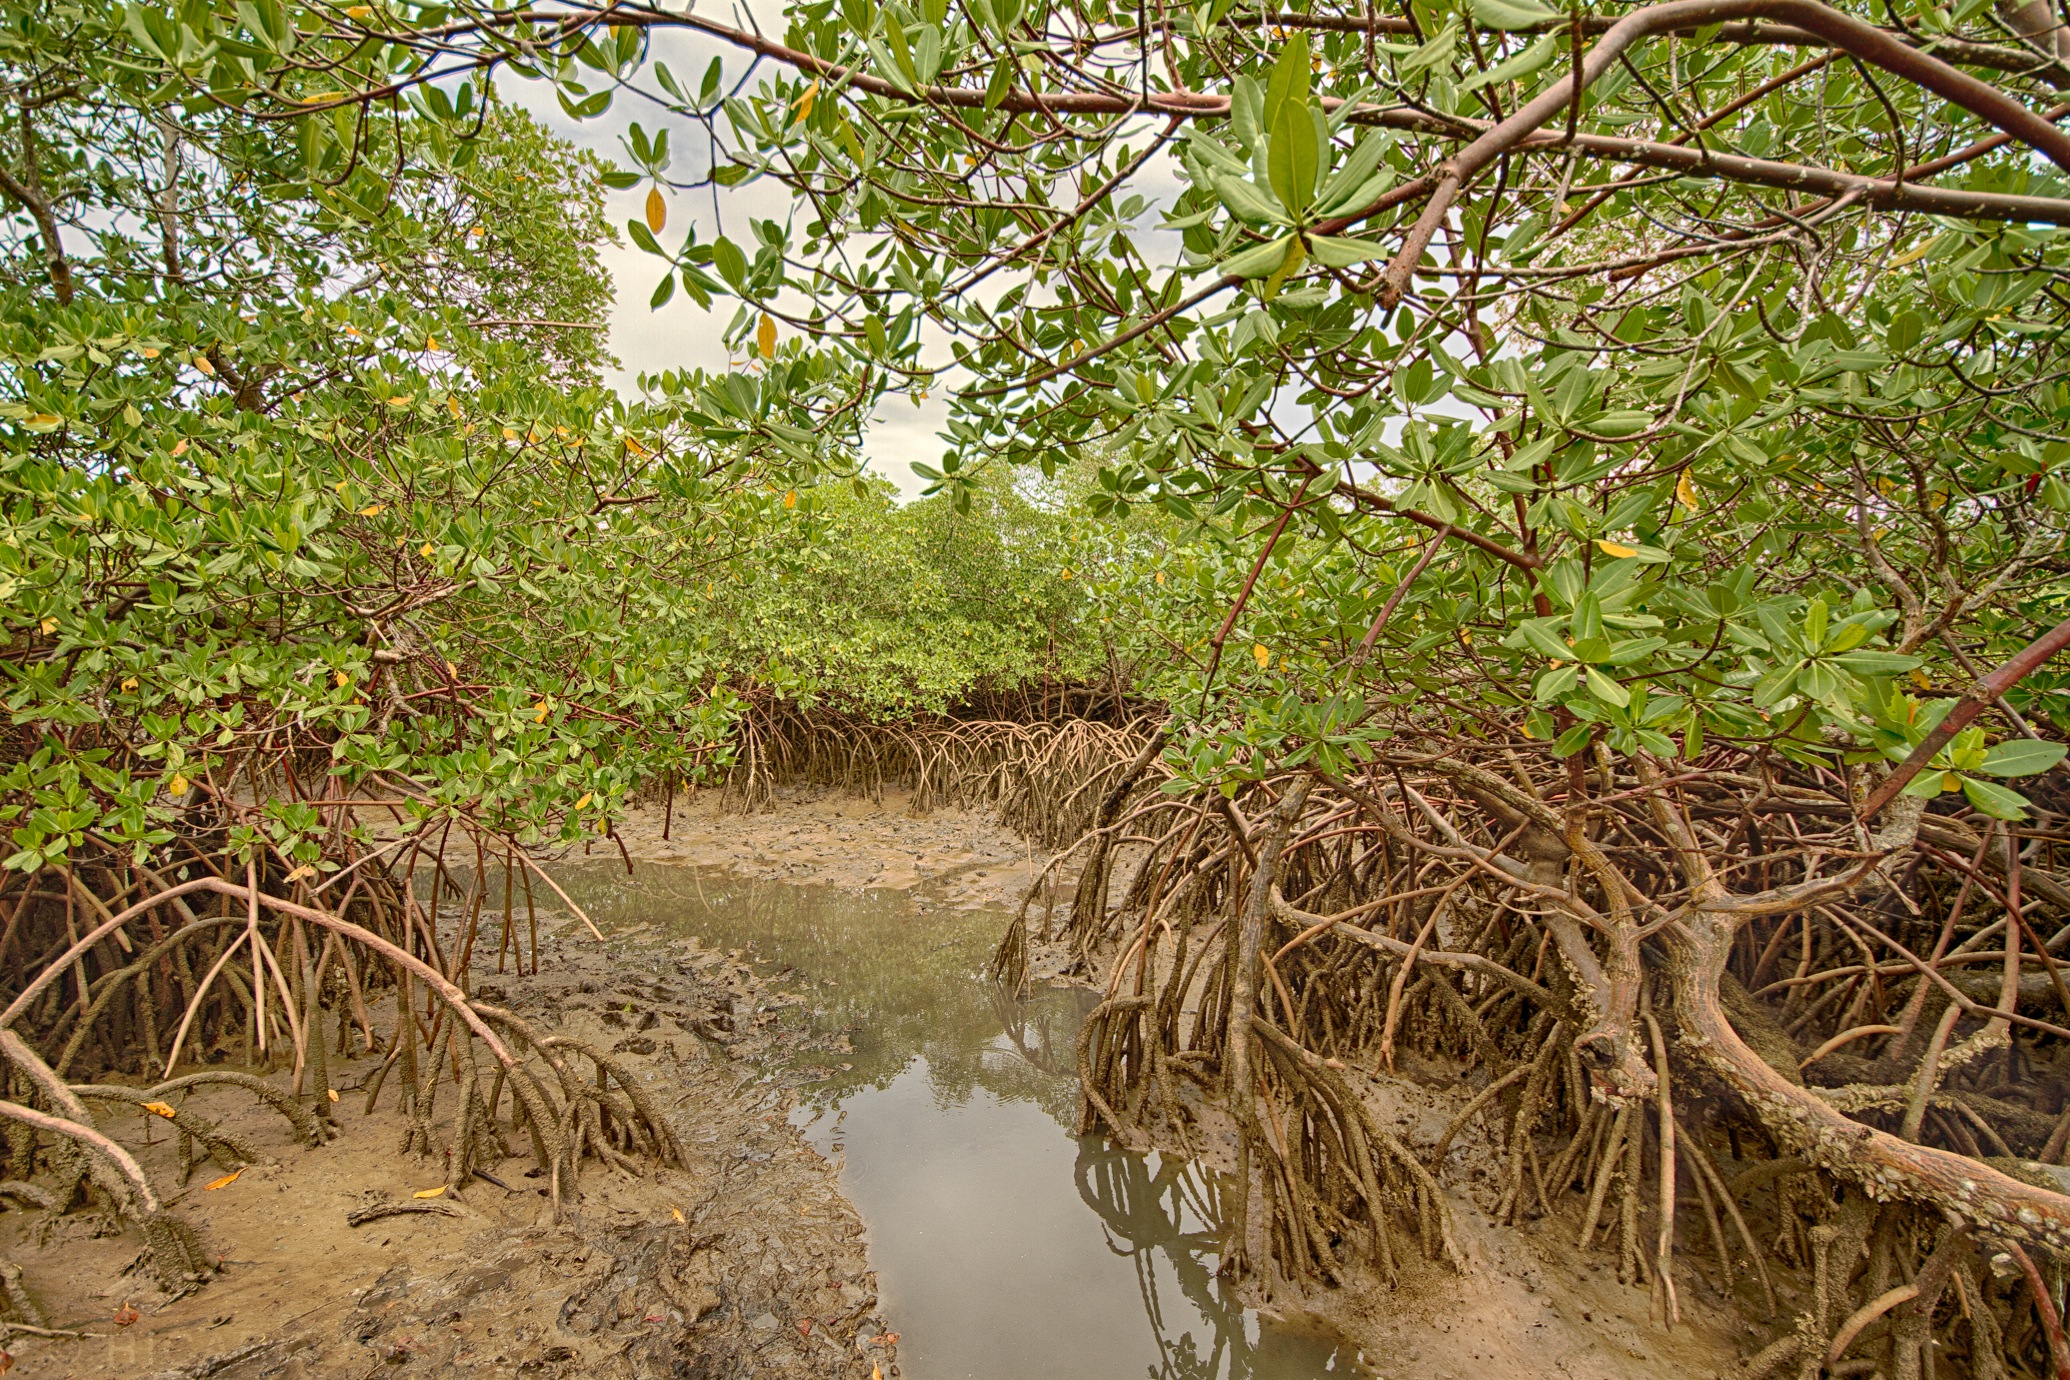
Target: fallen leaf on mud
point(163, 1109)
point(429, 1192)
point(228, 1179)
point(125, 1315)
point(804, 1327)
point(885, 1339)
point(876, 1374)
point(333, 1092)
point(676, 1213)
point(6, 1362)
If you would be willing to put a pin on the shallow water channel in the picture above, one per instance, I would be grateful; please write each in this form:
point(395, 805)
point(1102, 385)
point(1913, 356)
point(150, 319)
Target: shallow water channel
point(1005, 1247)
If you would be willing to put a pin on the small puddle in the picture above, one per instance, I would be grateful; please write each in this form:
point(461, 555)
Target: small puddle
point(1005, 1247)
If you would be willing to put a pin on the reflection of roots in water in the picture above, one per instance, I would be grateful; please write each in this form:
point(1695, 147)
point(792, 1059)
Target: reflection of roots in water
point(1042, 1035)
point(1144, 1211)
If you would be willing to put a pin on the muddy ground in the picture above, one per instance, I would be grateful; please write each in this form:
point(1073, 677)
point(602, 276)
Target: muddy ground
point(748, 1263)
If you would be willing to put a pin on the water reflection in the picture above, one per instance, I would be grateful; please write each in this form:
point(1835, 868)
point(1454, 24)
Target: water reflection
point(1007, 1249)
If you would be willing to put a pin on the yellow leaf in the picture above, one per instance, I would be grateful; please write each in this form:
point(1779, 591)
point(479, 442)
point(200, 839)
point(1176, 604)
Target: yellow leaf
point(587, 796)
point(1921, 679)
point(1685, 492)
point(657, 210)
point(478, 232)
point(1067, 573)
point(342, 679)
point(48, 625)
point(305, 870)
point(1160, 577)
point(178, 785)
point(401, 399)
point(540, 717)
point(201, 363)
point(372, 510)
point(180, 447)
point(426, 550)
point(130, 683)
point(452, 670)
point(790, 499)
point(510, 433)
point(1950, 783)
point(803, 104)
point(1617, 549)
point(1262, 655)
point(150, 352)
point(228, 1179)
point(453, 406)
point(333, 1093)
point(632, 443)
point(161, 1108)
point(431, 343)
point(429, 1192)
point(765, 336)
point(358, 11)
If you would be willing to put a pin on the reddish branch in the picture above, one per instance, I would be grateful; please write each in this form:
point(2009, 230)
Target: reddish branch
point(1850, 35)
point(1974, 701)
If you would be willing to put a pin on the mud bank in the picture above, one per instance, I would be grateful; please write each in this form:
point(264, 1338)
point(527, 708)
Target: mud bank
point(749, 1261)
point(752, 1261)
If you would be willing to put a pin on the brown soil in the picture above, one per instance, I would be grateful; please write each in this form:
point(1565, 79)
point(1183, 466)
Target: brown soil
point(765, 1273)
point(830, 838)
point(750, 1261)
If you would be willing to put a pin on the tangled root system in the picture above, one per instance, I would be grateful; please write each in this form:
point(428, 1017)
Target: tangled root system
point(126, 987)
point(1724, 1033)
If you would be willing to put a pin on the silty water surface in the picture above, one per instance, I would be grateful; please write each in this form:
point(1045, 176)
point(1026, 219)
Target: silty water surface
point(1005, 1247)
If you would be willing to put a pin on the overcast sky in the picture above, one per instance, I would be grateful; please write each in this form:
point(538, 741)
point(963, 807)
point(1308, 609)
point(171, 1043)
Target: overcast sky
point(682, 335)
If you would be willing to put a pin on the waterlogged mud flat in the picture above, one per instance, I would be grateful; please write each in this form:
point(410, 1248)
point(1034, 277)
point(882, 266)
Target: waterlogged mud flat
point(1004, 1246)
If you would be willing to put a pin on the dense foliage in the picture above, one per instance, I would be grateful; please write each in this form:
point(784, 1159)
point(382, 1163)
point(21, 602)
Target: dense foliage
point(1624, 423)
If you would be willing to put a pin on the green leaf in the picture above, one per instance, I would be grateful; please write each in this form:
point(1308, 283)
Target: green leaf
point(1248, 201)
point(1932, 783)
point(1815, 624)
point(1997, 801)
point(1335, 251)
point(1288, 83)
point(1537, 634)
point(1588, 616)
point(1776, 685)
point(1517, 67)
point(1291, 156)
point(1876, 663)
point(731, 263)
point(1259, 260)
point(2022, 757)
point(1606, 689)
point(1512, 14)
point(1572, 741)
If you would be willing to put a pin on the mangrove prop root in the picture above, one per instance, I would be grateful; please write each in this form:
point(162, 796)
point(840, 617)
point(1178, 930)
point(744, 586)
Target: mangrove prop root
point(359, 1217)
point(23, 1307)
point(1639, 1005)
point(226, 1149)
